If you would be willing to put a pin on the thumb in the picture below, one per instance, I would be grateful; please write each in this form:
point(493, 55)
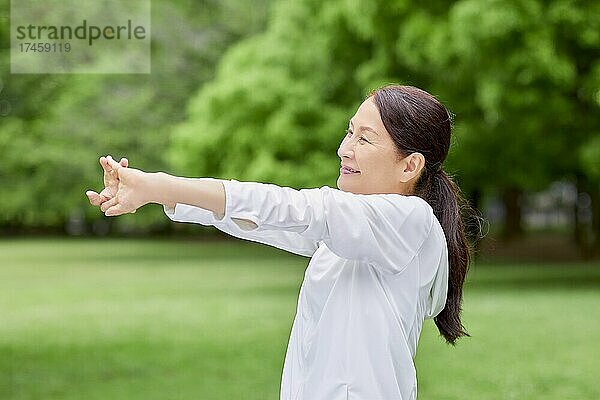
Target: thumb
point(95, 198)
point(113, 164)
point(115, 210)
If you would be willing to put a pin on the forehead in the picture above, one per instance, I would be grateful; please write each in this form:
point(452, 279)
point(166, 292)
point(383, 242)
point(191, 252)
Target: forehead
point(368, 115)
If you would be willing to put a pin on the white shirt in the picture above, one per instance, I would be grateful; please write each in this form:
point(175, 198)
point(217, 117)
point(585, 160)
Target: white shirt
point(378, 268)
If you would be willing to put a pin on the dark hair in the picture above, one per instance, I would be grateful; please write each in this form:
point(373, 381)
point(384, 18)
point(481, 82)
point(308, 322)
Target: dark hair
point(418, 122)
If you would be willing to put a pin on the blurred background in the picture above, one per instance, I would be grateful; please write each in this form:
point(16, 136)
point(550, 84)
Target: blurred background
point(141, 307)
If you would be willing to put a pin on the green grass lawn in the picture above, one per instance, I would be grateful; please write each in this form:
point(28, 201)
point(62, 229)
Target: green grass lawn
point(109, 319)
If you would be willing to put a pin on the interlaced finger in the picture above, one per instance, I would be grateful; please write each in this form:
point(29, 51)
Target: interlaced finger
point(113, 165)
point(108, 204)
point(105, 165)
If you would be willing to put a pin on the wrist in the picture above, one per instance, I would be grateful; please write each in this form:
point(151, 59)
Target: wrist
point(155, 185)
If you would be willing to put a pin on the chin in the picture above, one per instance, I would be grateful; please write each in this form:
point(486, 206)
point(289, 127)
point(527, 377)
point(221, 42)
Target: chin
point(344, 187)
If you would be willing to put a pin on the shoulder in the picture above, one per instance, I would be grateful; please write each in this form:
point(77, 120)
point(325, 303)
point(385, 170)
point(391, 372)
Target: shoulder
point(413, 206)
point(408, 216)
point(387, 230)
point(414, 214)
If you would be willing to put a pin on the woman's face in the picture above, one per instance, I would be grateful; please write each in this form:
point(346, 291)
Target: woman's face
point(369, 149)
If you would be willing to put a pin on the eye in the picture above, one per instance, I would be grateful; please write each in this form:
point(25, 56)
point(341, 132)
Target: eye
point(349, 133)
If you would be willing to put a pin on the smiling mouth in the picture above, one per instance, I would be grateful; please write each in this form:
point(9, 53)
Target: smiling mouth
point(348, 171)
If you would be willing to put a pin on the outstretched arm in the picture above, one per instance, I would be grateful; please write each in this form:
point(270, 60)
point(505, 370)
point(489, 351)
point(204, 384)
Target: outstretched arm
point(386, 230)
point(200, 200)
point(127, 189)
point(206, 193)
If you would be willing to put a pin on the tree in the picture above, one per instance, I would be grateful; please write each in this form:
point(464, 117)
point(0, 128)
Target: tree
point(60, 124)
point(519, 76)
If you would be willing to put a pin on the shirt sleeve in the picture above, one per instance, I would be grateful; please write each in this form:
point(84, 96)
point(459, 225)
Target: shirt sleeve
point(385, 230)
point(242, 229)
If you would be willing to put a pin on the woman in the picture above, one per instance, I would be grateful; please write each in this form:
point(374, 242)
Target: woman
point(387, 248)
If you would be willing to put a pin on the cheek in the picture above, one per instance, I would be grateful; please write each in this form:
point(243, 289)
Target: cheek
point(368, 159)
point(378, 165)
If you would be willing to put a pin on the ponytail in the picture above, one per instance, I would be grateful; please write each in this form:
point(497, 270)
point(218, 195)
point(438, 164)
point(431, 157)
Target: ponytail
point(418, 122)
point(449, 206)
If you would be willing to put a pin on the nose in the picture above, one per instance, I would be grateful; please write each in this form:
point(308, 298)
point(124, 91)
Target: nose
point(345, 149)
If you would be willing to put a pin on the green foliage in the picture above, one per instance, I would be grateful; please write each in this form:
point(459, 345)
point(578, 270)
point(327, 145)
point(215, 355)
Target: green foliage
point(521, 77)
point(522, 98)
point(590, 157)
point(61, 124)
point(279, 103)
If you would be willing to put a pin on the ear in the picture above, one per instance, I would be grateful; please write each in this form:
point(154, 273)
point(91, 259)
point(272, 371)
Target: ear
point(411, 166)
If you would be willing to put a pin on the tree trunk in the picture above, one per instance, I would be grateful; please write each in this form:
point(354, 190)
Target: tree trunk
point(512, 199)
point(586, 217)
point(595, 195)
